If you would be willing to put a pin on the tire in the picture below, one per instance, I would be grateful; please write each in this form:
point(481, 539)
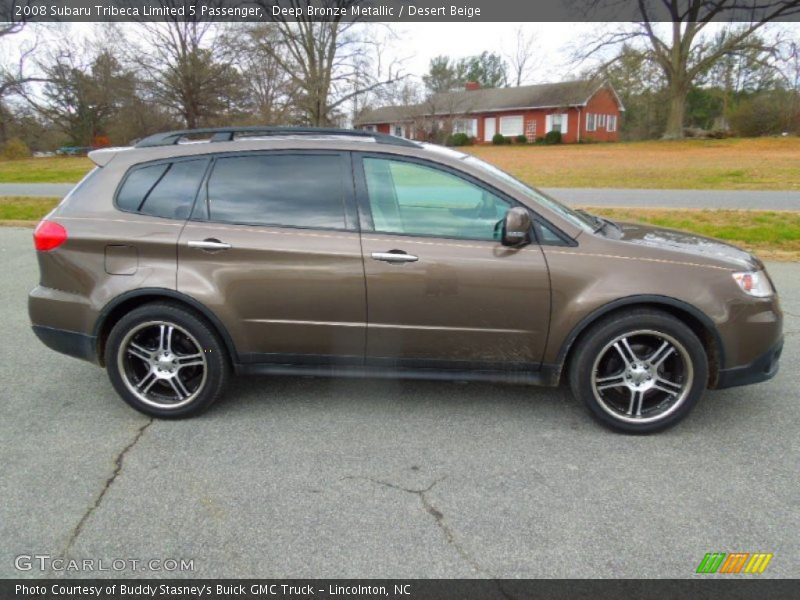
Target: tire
point(640, 371)
point(165, 361)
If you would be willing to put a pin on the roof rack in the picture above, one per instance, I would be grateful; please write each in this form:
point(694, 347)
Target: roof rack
point(227, 134)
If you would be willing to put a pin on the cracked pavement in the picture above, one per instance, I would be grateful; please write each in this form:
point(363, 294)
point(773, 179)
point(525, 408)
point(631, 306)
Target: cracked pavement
point(302, 477)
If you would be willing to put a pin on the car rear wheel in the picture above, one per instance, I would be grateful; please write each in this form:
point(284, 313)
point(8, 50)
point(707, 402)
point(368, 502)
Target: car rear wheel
point(165, 361)
point(639, 372)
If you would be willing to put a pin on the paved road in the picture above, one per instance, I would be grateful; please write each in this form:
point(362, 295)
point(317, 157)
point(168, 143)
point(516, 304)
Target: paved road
point(316, 477)
point(574, 196)
point(35, 189)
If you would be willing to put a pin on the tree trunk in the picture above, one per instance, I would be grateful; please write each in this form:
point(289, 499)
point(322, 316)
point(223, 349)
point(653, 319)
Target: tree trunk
point(677, 112)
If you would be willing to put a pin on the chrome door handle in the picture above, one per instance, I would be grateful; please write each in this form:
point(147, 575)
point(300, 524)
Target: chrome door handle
point(395, 257)
point(209, 244)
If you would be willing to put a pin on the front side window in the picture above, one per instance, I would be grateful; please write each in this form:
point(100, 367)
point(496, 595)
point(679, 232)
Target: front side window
point(540, 198)
point(413, 199)
point(280, 190)
point(590, 121)
point(162, 190)
point(612, 123)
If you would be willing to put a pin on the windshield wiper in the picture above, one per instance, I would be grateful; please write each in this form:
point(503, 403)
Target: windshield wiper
point(595, 221)
point(599, 223)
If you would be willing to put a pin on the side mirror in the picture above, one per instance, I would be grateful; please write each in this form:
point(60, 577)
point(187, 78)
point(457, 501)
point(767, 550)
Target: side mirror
point(516, 227)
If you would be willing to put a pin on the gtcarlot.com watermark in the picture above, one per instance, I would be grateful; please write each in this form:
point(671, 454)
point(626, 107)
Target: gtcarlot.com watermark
point(46, 562)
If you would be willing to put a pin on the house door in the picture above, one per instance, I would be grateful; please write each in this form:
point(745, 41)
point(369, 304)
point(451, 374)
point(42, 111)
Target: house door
point(489, 124)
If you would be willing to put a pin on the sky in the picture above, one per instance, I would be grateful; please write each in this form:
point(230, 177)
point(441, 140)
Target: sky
point(415, 44)
point(420, 42)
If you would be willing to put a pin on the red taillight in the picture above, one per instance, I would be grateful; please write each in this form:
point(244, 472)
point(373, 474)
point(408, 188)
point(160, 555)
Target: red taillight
point(48, 235)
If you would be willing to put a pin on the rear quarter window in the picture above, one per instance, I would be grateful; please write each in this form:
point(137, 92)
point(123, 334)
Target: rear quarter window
point(163, 190)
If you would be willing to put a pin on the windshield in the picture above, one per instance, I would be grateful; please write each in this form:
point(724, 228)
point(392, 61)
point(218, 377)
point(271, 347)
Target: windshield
point(566, 212)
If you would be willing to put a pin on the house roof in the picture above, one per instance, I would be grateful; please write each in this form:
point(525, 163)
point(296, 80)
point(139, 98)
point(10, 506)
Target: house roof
point(544, 95)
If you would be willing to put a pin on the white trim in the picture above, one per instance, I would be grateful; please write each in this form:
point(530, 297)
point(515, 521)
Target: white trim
point(563, 125)
point(486, 121)
point(593, 126)
point(497, 110)
point(611, 119)
point(512, 121)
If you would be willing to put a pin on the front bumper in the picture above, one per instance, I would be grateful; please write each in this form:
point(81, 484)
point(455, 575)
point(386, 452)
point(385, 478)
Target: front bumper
point(70, 343)
point(761, 369)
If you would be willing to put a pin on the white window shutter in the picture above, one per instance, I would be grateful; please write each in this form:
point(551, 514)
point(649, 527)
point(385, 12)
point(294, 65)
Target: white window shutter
point(564, 123)
point(548, 123)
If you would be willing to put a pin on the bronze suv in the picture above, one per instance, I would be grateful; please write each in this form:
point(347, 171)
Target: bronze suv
point(197, 254)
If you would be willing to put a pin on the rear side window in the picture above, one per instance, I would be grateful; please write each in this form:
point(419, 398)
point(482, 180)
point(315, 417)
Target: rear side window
point(162, 190)
point(282, 190)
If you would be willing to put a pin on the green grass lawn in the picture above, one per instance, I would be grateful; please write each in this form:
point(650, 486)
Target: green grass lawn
point(730, 164)
point(56, 169)
point(771, 234)
point(23, 208)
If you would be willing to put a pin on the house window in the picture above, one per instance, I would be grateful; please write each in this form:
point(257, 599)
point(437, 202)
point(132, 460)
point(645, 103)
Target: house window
point(612, 123)
point(511, 126)
point(468, 126)
point(557, 122)
point(590, 121)
point(601, 121)
point(397, 130)
point(370, 128)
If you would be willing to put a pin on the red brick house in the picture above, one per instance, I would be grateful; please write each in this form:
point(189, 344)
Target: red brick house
point(582, 110)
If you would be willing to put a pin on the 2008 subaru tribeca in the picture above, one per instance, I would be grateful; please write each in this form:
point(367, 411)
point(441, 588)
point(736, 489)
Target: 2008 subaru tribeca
point(181, 260)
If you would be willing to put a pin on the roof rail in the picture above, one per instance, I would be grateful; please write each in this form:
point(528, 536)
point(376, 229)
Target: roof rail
point(227, 134)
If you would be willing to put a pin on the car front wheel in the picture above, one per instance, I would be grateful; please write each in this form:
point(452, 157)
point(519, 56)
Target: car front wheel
point(639, 372)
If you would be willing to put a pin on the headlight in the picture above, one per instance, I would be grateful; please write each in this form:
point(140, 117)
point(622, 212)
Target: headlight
point(754, 284)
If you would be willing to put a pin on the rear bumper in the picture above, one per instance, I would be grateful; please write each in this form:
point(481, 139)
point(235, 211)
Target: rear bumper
point(70, 343)
point(761, 369)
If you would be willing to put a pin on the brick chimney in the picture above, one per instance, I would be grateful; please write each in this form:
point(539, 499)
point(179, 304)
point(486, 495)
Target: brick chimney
point(471, 86)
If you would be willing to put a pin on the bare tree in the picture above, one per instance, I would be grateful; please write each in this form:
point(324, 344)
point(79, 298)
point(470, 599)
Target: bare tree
point(9, 23)
point(15, 74)
point(522, 58)
point(181, 61)
point(326, 59)
point(270, 92)
point(680, 48)
point(84, 91)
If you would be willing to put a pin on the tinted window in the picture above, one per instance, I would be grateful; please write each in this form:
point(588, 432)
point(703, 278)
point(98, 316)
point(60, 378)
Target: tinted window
point(548, 236)
point(163, 190)
point(417, 200)
point(174, 194)
point(283, 190)
point(137, 185)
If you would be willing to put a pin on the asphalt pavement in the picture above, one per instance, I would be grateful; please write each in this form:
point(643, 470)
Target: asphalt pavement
point(781, 200)
point(304, 477)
